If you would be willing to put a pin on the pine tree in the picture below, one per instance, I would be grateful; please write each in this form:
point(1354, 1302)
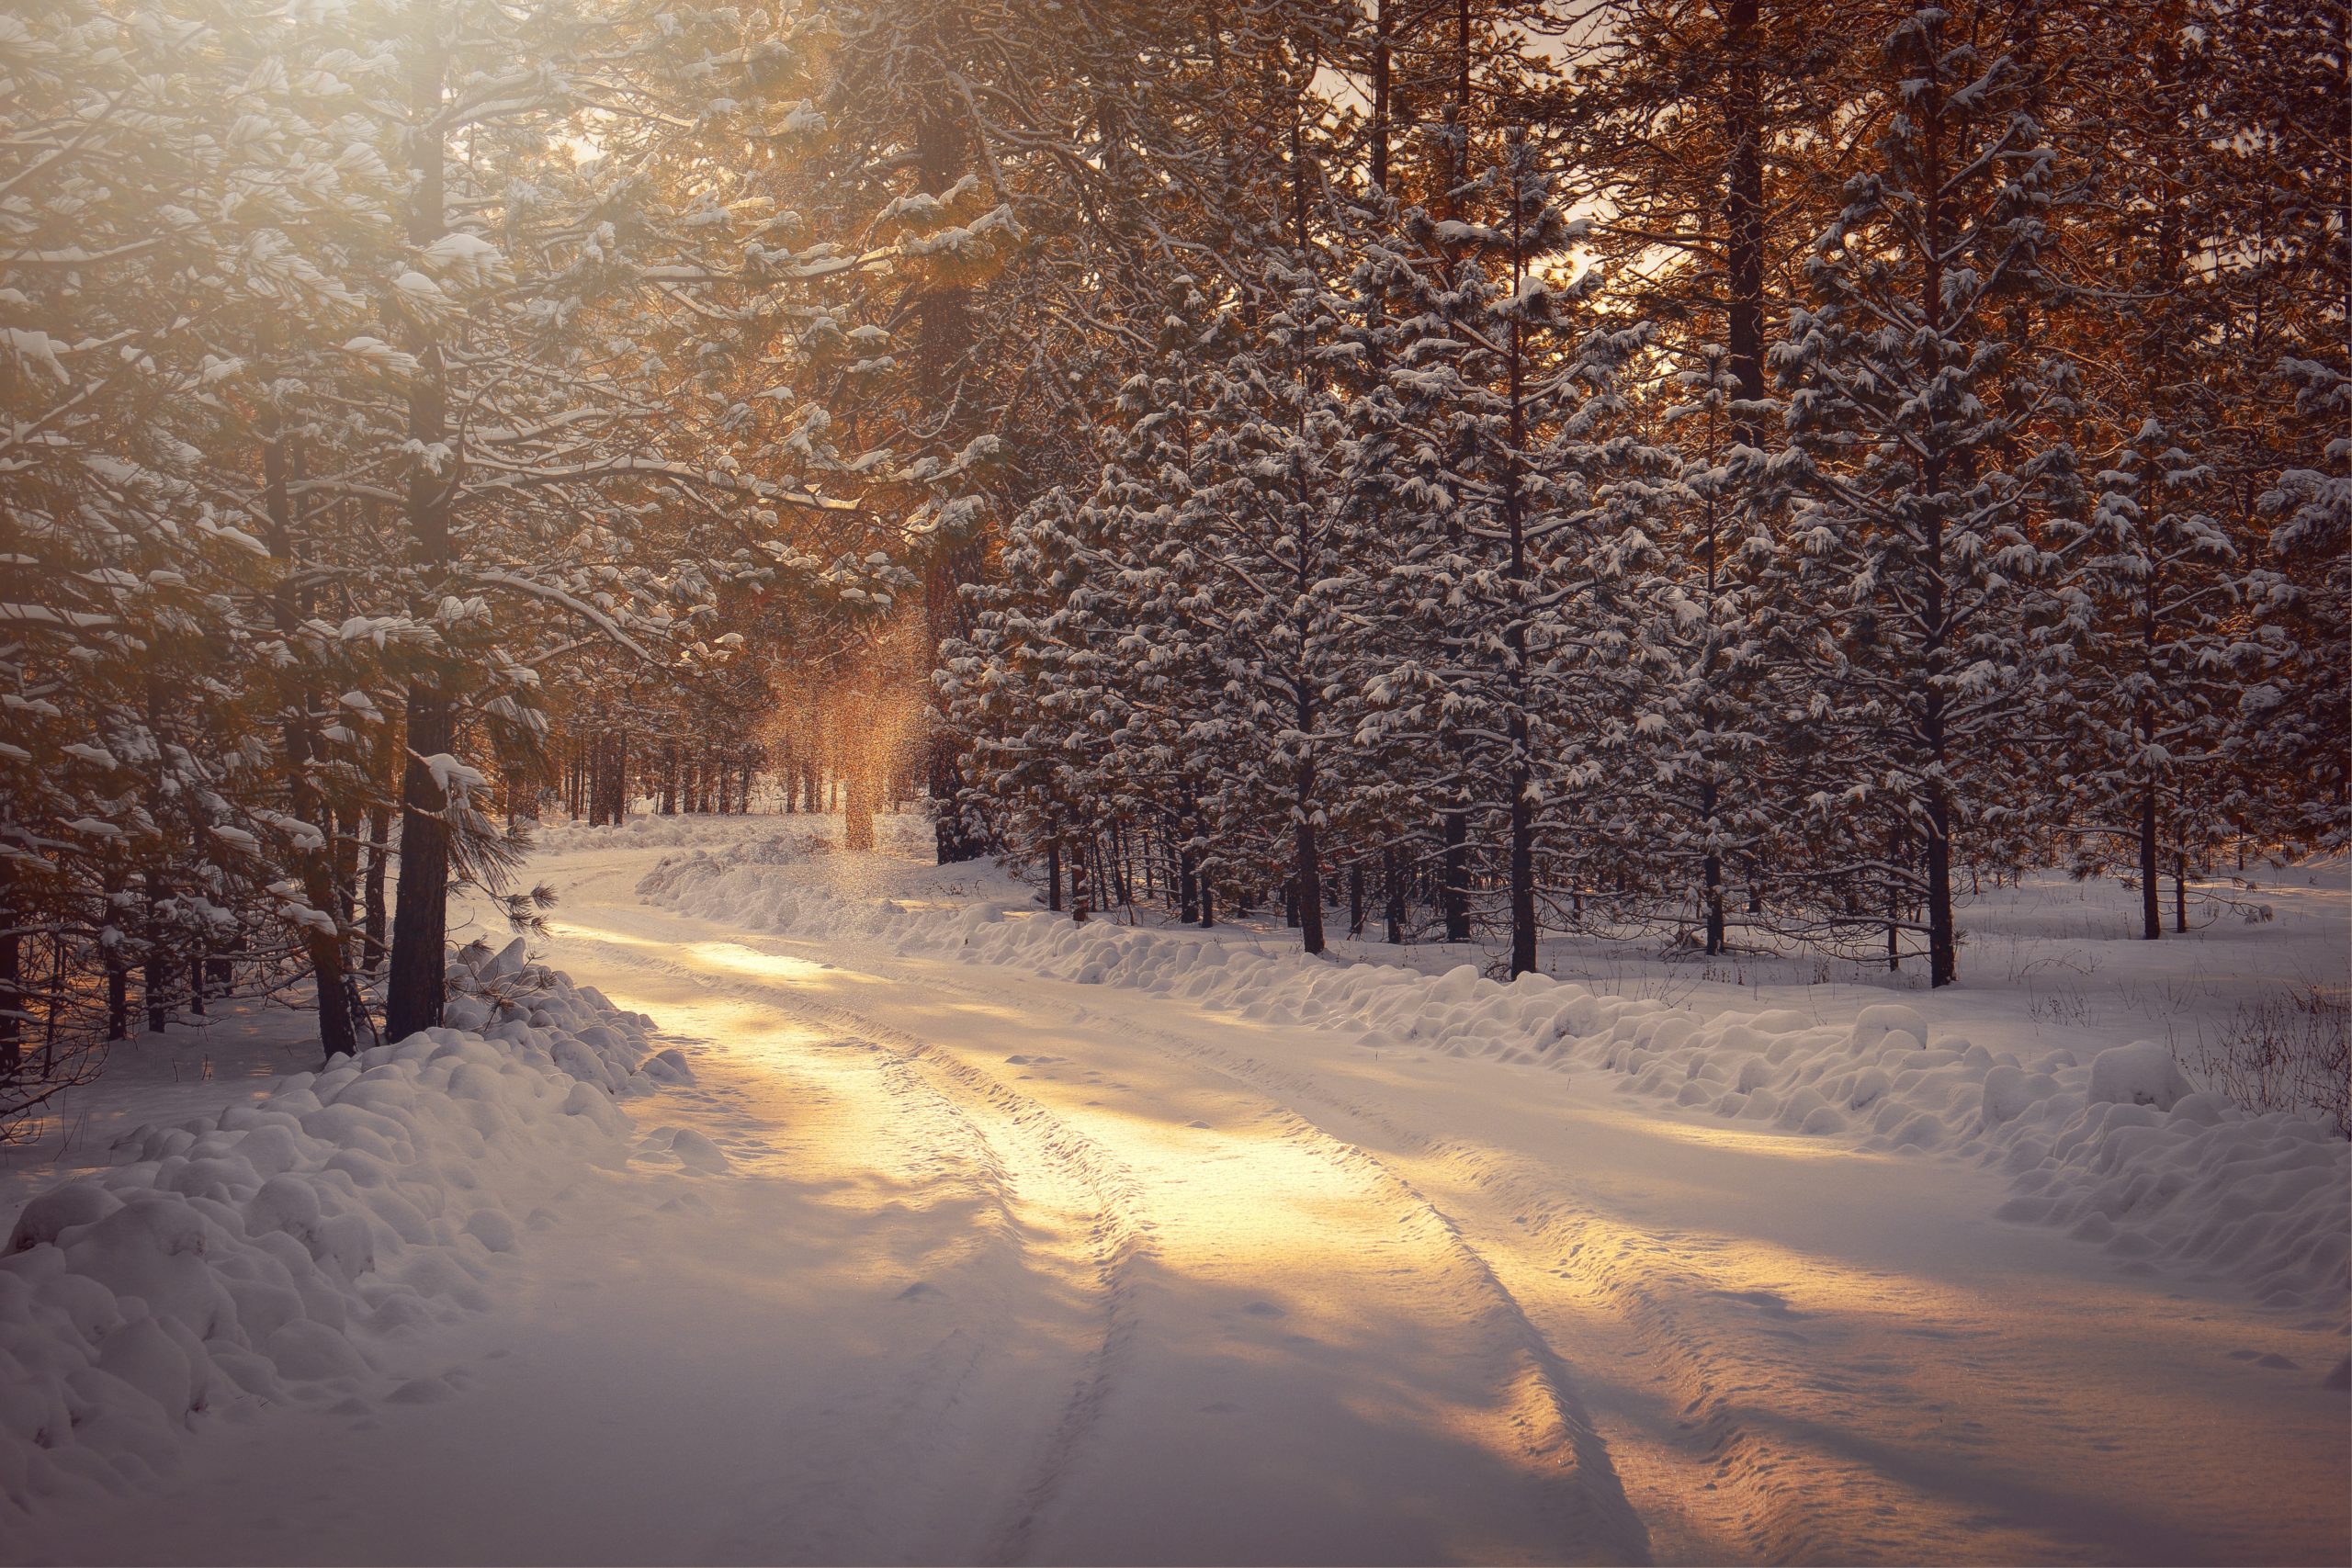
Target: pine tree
point(2153, 594)
point(1916, 533)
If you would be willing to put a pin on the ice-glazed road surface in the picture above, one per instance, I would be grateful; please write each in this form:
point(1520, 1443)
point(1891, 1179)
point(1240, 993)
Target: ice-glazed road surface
point(1001, 1268)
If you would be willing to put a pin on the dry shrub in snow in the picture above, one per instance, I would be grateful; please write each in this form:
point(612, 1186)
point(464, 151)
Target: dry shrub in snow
point(2292, 1053)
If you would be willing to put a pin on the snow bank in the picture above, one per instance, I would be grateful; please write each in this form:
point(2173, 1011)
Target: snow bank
point(683, 832)
point(2118, 1152)
point(275, 1251)
point(2141, 1073)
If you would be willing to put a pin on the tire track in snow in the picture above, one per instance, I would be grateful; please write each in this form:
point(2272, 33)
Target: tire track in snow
point(1742, 1479)
point(1553, 1430)
point(1563, 1434)
point(1116, 1233)
point(1098, 1198)
point(1740, 1498)
point(1538, 1412)
point(1747, 1487)
point(1862, 1447)
point(1757, 1489)
point(848, 1501)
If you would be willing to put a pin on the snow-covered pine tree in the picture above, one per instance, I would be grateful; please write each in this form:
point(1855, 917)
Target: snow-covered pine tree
point(1709, 816)
point(1068, 164)
point(540, 288)
point(1510, 598)
point(2277, 146)
point(1696, 150)
point(1916, 535)
point(2294, 722)
point(2152, 591)
point(1100, 611)
point(1279, 568)
point(1027, 686)
point(179, 206)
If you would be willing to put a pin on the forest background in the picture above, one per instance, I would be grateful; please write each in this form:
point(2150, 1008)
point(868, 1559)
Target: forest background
point(1683, 471)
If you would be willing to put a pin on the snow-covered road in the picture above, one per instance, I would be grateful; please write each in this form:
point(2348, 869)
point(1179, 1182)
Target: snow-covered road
point(999, 1268)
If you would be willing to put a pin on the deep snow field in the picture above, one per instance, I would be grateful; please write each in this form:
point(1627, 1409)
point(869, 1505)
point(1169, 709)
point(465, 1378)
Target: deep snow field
point(823, 1207)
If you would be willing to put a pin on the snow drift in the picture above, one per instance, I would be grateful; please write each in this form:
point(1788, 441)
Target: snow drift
point(273, 1253)
point(2120, 1151)
point(690, 831)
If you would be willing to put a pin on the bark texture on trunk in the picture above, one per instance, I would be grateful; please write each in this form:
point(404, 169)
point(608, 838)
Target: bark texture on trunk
point(414, 986)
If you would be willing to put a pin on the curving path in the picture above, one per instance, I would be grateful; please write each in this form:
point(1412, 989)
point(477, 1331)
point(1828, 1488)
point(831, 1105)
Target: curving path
point(997, 1269)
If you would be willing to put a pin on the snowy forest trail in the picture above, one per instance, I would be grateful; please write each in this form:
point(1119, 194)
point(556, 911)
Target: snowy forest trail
point(940, 1261)
point(1275, 1348)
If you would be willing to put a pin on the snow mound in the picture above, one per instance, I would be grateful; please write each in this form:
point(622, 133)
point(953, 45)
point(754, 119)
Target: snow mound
point(2141, 1073)
point(903, 833)
point(270, 1254)
point(2119, 1151)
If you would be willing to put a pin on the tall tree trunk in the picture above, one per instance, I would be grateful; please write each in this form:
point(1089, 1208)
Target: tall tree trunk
point(1521, 777)
point(1936, 610)
point(314, 867)
point(943, 344)
point(2180, 875)
point(1744, 343)
point(154, 881)
point(1306, 868)
point(1943, 940)
point(1453, 894)
point(118, 972)
point(415, 986)
point(1458, 112)
point(1392, 883)
point(12, 980)
point(857, 821)
point(1744, 212)
point(379, 849)
point(1713, 872)
point(2157, 352)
